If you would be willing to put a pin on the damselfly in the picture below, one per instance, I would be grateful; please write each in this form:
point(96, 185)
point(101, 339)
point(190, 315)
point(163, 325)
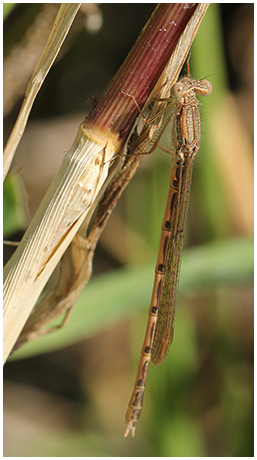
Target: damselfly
point(185, 138)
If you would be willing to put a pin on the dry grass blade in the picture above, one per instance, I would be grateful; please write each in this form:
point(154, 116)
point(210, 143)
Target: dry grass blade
point(58, 219)
point(62, 24)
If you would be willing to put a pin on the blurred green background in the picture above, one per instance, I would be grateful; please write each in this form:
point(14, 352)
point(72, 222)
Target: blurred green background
point(66, 394)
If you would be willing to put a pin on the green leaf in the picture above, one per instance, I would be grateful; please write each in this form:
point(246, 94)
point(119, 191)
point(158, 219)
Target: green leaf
point(14, 207)
point(122, 293)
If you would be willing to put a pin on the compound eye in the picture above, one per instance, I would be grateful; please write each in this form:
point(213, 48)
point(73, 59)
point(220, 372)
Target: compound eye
point(204, 88)
point(208, 87)
point(178, 90)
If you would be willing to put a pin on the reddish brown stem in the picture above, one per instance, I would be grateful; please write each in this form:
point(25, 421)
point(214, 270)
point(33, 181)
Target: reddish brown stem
point(115, 114)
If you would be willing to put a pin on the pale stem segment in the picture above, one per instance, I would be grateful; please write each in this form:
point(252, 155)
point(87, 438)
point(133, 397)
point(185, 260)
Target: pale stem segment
point(185, 138)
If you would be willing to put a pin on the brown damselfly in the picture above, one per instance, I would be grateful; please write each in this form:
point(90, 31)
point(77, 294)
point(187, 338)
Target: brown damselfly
point(184, 120)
